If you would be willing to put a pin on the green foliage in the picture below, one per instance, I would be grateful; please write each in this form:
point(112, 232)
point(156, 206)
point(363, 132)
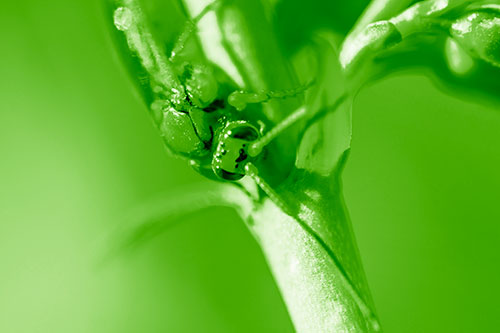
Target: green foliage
point(78, 151)
point(460, 66)
point(214, 86)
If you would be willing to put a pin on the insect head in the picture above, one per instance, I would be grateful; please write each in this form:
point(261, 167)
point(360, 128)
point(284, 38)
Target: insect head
point(231, 155)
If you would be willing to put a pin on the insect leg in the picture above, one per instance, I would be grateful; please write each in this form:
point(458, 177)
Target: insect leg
point(190, 28)
point(252, 171)
point(256, 148)
point(240, 99)
point(129, 19)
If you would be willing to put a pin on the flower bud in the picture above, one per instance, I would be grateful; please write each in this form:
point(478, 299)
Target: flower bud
point(479, 34)
point(459, 61)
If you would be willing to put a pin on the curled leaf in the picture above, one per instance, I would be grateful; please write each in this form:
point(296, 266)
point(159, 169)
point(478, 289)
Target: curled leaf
point(374, 38)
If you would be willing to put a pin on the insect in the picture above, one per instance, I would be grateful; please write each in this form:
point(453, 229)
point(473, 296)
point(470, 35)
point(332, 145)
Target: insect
point(197, 109)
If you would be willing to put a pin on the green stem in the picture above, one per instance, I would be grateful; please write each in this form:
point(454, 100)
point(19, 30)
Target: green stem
point(322, 281)
point(314, 287)
point(303, 227)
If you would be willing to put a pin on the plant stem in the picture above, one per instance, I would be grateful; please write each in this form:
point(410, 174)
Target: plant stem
point(322, 283)
point(318, 297)
point(303, 227)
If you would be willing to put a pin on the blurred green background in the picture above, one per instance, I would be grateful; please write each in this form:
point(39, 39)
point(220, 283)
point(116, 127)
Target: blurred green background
point(77, 150)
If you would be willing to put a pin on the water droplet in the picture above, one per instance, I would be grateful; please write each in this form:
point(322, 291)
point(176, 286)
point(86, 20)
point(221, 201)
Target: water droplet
point(123, 18)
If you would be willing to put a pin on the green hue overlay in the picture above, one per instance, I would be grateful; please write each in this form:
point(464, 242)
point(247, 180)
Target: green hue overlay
point(79, 157)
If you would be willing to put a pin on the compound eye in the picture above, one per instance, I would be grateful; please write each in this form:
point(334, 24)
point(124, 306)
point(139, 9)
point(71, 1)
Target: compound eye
point(231, 154)
point(201, 86)
point(229, 176)
point(245, 132)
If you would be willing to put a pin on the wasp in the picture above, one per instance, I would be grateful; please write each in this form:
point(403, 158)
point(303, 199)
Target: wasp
point(197, 109)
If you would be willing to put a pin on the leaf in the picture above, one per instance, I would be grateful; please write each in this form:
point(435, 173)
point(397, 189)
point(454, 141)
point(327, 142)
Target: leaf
point(379, 10)
point(153, 217)
point(423, 30)
point(328, 134)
